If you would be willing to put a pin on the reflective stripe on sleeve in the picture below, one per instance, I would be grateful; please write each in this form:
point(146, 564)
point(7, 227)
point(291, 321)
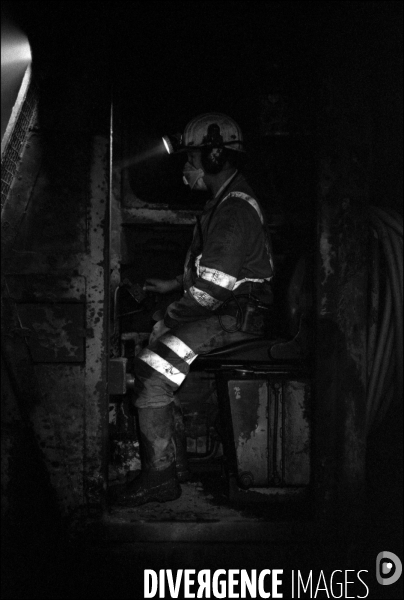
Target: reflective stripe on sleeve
point(204, 299)
point(218, 277)
point(179, 347)
point(162, 366)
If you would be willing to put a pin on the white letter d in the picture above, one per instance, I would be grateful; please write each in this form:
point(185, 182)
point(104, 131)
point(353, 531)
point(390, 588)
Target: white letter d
point(150, 574)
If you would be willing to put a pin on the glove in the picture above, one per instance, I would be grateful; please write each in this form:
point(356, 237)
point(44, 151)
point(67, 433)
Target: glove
point(158, 330)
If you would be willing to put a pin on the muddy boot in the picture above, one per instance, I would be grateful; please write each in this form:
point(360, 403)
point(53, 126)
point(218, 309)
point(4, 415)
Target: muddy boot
point(151, 486)
point(180, 441)
point(158, 481)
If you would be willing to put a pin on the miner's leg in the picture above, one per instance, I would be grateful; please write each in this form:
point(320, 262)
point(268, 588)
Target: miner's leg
point(180, 441)
point(158, 481)
point(159, 371)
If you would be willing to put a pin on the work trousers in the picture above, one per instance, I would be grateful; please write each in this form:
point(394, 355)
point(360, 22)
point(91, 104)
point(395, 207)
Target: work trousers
point(161, 368)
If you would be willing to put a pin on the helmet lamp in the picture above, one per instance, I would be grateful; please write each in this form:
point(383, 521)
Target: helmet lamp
point(172, 143)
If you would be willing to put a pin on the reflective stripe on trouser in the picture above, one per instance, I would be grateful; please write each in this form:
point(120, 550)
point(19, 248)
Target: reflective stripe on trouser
point(162, 367)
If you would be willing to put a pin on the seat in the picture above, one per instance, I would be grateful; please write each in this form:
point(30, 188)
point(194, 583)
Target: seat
point(263, 386)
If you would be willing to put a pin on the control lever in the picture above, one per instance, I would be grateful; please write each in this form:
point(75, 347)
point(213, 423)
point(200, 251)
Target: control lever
point(135, 290)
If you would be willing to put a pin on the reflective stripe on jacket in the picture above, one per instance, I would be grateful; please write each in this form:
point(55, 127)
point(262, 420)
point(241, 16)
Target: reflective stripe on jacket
point(230, 245)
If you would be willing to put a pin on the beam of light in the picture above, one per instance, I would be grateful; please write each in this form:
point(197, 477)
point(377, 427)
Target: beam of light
point(16, 53)
point(15, 48)
point(15, 59)
point(141, 157)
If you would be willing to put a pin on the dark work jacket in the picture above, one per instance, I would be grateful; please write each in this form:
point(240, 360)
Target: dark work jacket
point(230, 244)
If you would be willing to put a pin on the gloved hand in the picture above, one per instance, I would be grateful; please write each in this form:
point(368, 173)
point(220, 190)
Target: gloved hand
point(158, 330)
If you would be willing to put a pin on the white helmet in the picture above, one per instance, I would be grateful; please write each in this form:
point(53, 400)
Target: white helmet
point(212, 130)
